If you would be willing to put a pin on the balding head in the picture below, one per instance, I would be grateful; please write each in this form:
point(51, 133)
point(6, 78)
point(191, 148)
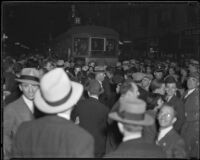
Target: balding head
point(166, 116)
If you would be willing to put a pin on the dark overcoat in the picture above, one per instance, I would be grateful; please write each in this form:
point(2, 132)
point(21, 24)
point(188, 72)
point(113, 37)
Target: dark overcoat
point(93, 118)
point(52, 137)
point(190, 129)
point(137, 148)
point(173, 144)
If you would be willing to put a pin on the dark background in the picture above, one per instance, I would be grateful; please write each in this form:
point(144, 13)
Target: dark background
point(171, 27)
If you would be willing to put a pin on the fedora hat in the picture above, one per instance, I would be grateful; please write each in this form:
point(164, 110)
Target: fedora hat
point(194, 75)
point(148, 76)
point(29, 75)
point(60, 63)
point(99, 69)
point(138, 77)
point(132, 111)
point(57, 93)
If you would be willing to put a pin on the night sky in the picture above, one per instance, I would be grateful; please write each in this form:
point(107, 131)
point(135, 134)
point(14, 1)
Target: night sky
point(31, 23)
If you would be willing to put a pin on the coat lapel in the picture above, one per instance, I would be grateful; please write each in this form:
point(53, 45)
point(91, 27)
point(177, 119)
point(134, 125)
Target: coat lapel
point(26, 111)
point(164, 141)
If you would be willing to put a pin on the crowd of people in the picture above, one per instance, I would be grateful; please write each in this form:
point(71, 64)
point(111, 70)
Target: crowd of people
point(134, 109)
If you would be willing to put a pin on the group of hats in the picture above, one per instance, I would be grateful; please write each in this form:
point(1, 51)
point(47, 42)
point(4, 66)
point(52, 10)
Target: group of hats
point(139, 76)
point(58, 93)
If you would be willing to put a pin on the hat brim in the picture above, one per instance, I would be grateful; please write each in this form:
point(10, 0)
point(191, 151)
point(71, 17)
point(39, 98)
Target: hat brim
point(148, 120)
point(77, 90)
point(27, 81)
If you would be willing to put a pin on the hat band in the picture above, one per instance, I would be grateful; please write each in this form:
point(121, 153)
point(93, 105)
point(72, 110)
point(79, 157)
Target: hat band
point(58, 65)
point(29, 78)
point(131, 116)
point(60, 102)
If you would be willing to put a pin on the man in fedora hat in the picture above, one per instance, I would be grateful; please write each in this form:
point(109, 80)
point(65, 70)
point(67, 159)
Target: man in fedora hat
point(193, 66)
point(131, 118)
point(21, 109)
point(92, 116)
point(128, 90)
point(54, 135)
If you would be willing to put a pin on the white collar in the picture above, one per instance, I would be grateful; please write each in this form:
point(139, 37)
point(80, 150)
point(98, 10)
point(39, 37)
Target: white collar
point(189, 92)
point(132, 136)
point(100, 83)
point(168, 98)
point(29, 103)
point(163, 132)
point(94, 96)
point(65, 115)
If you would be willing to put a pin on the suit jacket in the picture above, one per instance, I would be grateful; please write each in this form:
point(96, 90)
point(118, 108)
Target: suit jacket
point(14, 114)
point(191, 104)
point(190, 129)
point(93, 118)
point(137, 148)
point(106, 96)
point(52, 137)
point(173, 144)
point(178, 105)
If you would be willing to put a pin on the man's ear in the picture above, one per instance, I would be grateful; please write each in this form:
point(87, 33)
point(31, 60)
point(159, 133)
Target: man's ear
point(20, 87)
point(121, 127)
point(174, 120)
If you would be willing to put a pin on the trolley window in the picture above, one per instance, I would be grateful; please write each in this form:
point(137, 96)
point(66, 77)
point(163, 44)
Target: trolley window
point(81, 46)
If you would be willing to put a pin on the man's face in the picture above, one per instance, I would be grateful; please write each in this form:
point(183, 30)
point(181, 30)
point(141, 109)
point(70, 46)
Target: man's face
point(171, 89)
point(158, 75)
point(49, 66)
point(161, 90)
point(166, 117)
point(192, 68)
point(100, 76)
point(146, 82)
point(133, 92)
point(192, 83)
point(28, 90)
point(171, 71)
point(148, 69)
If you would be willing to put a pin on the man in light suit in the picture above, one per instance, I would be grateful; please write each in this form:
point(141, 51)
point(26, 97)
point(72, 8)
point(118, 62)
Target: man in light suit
point(54, 136)
point(22, 109)
point(190, 129)
point(131, 118)
point(171, 142)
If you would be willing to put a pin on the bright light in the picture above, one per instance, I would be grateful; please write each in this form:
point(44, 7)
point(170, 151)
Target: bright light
point(120, 42)
point(5, 36)
point(127, 41)
point(17, 43)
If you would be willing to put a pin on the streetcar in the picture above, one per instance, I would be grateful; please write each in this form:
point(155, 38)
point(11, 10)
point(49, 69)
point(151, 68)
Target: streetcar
point(88, 43)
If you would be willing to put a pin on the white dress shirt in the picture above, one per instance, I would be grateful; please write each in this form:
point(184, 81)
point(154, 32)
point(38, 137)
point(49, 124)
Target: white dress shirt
point(64, 115)
point(132, 136)
point(163, 132)
point(29, 103)
point(94, 96)
point(168, 98)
